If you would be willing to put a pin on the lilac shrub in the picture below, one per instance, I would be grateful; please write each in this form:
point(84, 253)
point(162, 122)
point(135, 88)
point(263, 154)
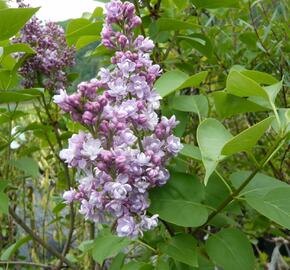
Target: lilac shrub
point(53, 56)
point(126, 147)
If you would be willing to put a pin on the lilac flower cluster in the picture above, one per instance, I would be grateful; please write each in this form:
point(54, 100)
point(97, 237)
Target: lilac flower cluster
point(53, 56)
point(125, 152)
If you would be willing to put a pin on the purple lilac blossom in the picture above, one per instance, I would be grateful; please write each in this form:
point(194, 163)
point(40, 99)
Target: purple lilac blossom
point(53, 56)
point(127, 147)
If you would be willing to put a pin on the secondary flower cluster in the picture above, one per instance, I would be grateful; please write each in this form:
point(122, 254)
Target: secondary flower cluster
point(53, 56)
point(125, 152)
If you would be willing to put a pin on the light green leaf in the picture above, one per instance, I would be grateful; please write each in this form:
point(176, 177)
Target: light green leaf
point(228, 105)
point(86, 40)
point(230, 249)
point(260, 77)
point(191, 151)
point(4, 203)
point(169, 81)
point(259, 186)
point(247, 139)
point(181, 248)
point(178, 202)
point(78, 28)
point(197, 104)
point(275, 205)
point(13, 19)
point(101, 50)
point(108, 245)
point(18, 47)
point(98, 13)
point(27, 165)
point(273, 90)
point(19, 96)
point(242, 86)
point(211, 138)
point(175, 80)
point(215, 4)
point(11, 250)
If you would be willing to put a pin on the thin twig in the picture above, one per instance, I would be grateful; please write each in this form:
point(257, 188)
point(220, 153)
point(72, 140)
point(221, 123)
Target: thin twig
point(39, 240)
point(32, 264)
point(232, 196)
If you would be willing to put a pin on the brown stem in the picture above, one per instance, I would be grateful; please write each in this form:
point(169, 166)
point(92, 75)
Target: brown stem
point(39, 240)
point(31, 264)
point(232, 196)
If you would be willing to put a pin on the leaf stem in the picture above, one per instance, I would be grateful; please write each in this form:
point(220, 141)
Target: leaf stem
point(232, 196)
point(146, 245)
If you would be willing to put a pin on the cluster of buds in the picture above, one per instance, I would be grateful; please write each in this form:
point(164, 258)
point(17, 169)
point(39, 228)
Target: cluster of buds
point(127, 146)
point(48, 66)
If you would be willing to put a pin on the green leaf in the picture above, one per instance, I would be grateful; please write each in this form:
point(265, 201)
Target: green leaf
point(168, 24)
point(18, 47)
point(247, 139)
point(215, 4)
point(8, 116)
point(181, 248)
point(3, 185)
point(211, 138)
point(4, 203)
point(199, 42)
point(178, 202)
point(191, 151)
point(230, 249)
point(11, 250)
point(242, 86)
point(13, 19)
point(57, 209)
point(86, 246)
point(78, 28)
point(275, 205)
point(175, 80)
point(86, 40)
point(259, 186)
point(136, 265)
point(260, 77)
point(228, 105)
point(169, 81)
point(273, 90)
point(13, 96)
point(108, 245)
point(101, 50)
point(197, 104)
point(98, 13)
point(215, 191)
point(27, 165)
point(117, 262)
